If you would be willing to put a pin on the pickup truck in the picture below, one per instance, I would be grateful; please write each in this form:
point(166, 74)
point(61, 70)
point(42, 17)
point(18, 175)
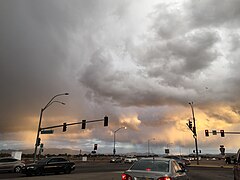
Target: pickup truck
point(130, 159)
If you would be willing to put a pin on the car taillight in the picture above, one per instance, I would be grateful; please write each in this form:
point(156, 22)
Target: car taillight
point(126, 177)
point(164, 178)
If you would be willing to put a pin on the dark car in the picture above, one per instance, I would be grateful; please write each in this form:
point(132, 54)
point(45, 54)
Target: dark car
point(116, 160)
point(155, 169)
point(11, 164)
point(49, 165)
point(236, 167)
point(179, 160)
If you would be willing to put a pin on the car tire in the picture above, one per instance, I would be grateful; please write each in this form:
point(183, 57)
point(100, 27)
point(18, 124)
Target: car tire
point(67, 170)
point(17, 169)
point(39, 172)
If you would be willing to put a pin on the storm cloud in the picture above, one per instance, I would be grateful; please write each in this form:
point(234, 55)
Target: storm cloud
point(138, 62)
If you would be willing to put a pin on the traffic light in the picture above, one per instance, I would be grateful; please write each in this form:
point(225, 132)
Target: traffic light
point(83, 124)
point(222, 133)
point(190, 124)
point(38, 141)
point(105, 121)
point(64, 127)
point(206, 133)
point(95, 147)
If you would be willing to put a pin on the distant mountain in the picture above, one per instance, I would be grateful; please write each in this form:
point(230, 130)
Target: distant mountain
point(46, 151)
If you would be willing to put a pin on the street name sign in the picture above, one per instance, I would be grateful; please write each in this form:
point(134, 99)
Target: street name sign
point(47, 131)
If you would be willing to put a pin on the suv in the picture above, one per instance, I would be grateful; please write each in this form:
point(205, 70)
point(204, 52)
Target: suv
point(130, 159)
point(236, 167)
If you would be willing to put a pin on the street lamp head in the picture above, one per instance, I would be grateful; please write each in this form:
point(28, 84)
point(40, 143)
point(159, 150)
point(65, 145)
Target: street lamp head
point(66, 94)
point(125, 127)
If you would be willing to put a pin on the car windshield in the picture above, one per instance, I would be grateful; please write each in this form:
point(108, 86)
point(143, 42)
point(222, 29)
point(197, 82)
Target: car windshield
point(151, 165)
point(43, 161)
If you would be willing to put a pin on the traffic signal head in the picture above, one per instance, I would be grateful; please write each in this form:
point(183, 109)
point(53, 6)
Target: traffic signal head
point(38, 141)
point(206, 133)
point(105, 121)
point(95, 147)
point(64, 127)
point(83, 124)
point(222, 133)
point(190, 124)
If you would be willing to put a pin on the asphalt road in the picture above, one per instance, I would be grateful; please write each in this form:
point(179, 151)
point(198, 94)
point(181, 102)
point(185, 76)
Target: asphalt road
point(107, 171)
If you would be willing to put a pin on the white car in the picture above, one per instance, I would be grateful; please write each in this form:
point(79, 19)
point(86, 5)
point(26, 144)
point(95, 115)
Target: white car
point(130, 159)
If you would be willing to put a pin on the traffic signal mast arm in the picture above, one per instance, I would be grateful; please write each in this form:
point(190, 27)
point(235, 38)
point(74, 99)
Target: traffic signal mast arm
point(221, 132)
point(105, 119)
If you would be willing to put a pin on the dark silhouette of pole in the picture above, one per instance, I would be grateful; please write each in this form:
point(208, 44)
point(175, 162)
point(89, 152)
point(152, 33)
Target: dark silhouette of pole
point(114, 139)
point(194, 132)
point(40, 120)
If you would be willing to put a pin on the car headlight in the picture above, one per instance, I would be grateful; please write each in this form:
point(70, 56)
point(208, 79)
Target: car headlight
point(30, 167)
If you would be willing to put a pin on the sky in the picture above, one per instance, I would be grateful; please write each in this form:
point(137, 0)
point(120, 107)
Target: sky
point(138, 62)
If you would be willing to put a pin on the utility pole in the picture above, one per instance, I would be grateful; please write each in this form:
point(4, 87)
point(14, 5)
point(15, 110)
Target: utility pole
point(194, 130)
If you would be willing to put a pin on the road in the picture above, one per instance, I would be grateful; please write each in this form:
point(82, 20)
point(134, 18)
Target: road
point(107, 171)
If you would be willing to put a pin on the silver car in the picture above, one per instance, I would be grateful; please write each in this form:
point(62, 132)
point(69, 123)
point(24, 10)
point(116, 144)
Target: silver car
point(11, 164)
point(155, 169)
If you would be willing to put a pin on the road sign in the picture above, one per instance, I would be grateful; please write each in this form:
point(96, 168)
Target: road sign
point(47, 131)
point(166, 151)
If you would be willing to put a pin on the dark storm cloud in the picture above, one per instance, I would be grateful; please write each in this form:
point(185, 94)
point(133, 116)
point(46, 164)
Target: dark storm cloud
point(212, 13)
point(136, 62)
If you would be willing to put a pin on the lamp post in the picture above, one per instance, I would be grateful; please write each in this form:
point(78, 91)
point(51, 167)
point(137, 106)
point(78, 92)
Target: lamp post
point(114, 139)
point(148, 144)
point(40, 119)
point(194, 131)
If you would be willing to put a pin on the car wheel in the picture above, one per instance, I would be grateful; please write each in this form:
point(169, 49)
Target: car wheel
point(17, 169)
point(67, 170)
point(39, 172)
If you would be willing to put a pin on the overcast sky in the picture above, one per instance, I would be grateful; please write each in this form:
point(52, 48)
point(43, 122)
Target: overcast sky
point(139, 62)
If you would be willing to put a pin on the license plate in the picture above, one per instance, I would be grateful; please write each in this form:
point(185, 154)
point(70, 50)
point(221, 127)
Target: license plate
point(143, 178)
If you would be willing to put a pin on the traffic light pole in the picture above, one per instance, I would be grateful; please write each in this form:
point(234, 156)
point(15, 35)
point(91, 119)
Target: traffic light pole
point(38, 131)
point(194, 132)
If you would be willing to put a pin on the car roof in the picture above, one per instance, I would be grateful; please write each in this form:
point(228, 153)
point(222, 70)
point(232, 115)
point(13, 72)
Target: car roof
point(156, 158)
point(8, 158)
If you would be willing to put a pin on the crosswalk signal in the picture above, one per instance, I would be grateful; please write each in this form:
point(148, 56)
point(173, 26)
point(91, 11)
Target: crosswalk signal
point(206, 133)
point(105, 121)
point(64, 127)
point(222, 133)
point(83, 124)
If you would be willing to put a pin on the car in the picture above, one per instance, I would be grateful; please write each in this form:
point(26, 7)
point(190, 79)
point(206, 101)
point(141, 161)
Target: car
point(11, 164)
point(130, 159)
point(179, 160)
point(155, 168)
point(236, 167)
point(116, 160)
point(49, 165)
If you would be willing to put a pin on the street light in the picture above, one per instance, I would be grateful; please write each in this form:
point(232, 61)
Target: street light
point(40, 120)
point(114, 139)
point(149, 143)
point(194, 131)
